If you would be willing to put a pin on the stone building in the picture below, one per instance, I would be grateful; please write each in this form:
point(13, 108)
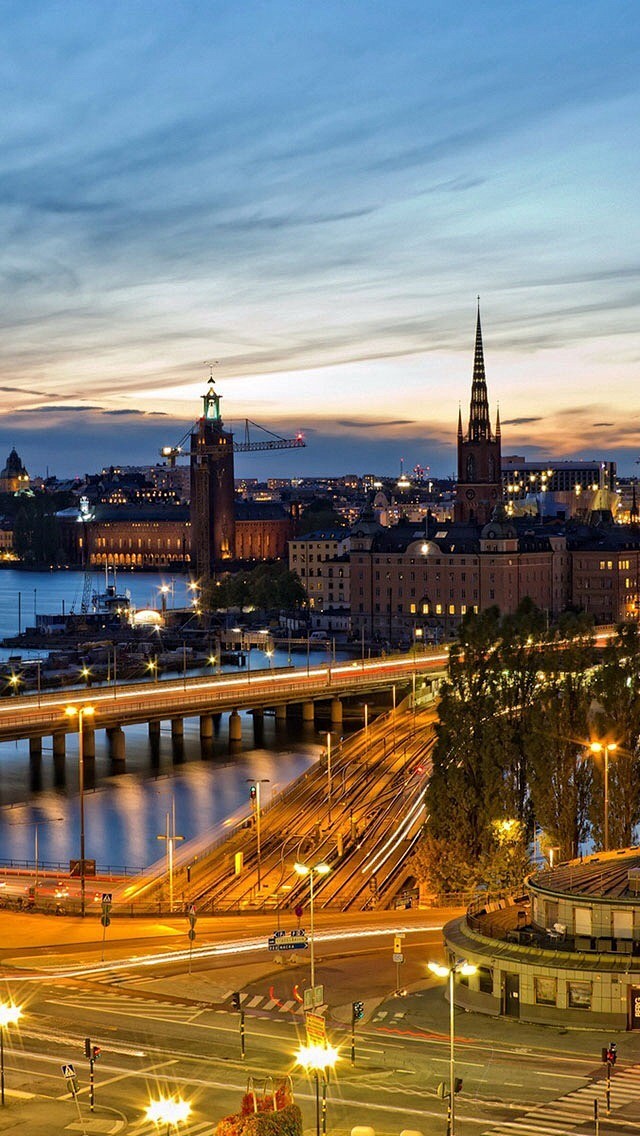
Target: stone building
point(14, 476)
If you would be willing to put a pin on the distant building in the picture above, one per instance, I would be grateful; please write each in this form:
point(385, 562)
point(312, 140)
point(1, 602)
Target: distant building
point(321, 560)
point(14, 477)
point(416, 580)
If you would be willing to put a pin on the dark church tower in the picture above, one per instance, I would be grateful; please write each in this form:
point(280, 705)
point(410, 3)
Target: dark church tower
point(213, 528)
point(479, 487)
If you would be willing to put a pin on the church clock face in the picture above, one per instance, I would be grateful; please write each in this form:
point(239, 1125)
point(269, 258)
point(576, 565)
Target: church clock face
point(471, 494)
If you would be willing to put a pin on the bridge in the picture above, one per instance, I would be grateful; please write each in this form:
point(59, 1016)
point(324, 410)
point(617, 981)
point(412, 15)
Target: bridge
point(35, 716)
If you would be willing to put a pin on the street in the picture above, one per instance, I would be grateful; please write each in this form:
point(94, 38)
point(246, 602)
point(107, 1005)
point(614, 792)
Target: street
point(163, 1030)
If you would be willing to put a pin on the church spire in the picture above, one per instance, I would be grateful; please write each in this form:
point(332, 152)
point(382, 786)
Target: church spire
point(459, 422)
point(498, 430)
point(479, 426)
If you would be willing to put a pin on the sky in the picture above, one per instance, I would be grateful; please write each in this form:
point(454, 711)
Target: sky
point(313, 195)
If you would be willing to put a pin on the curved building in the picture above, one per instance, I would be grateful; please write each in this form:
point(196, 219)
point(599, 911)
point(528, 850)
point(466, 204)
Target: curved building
point(564, 952)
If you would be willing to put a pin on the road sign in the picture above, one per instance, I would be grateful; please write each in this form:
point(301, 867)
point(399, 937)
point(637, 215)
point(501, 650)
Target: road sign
point(313, 997)
point(105, 918)
point(397, 944)
point(107, 897)
point(68, 1071)
point(316, 1029)
point(288, 941)
point(398, 958)
point(191, 933)
point(192, 909)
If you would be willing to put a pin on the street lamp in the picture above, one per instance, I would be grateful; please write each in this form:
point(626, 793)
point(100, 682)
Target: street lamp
point(255, 796)
point(171, 1111)
point(152, 666)
point(606, 749)
point(464, 968)
point(311, 870)
point(83, 712)
point(9, 1015)
point(317, 1058)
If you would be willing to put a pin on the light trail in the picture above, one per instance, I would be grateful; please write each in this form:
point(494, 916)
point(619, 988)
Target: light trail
point(214, 950)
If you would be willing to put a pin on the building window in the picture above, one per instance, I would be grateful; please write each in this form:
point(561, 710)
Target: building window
point(438, 609)
point(546, 991)
point(485, 979)
point(582, 920)
point(452, 609)
point(412, 609)
point(579, 995)
point(425, 609)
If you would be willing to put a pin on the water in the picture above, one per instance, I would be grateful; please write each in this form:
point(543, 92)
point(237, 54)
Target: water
point(125, 813)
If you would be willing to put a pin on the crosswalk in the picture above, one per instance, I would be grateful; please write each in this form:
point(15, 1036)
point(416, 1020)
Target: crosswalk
point(563, 1116)
point(141, 1128)
point(121, 1002)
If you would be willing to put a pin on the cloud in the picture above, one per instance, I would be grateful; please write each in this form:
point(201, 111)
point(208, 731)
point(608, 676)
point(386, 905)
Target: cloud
point(133, 412)
point(374, 423)
point(602, 424)
point(520, 421)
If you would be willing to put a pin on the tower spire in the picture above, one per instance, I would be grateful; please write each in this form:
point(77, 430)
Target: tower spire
point(459, 422)
point(479, 426)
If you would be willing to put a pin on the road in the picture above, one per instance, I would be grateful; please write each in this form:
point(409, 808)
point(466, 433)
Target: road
point(163, 1030)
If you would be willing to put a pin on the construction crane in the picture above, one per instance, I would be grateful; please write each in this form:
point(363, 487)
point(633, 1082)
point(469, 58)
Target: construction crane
point(248, 446)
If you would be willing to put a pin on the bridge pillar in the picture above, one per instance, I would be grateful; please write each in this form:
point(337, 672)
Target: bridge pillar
point(117, 747)
point(177, 727)
point(281, 712)
point(206, 725)
point(336, 712)
point(35, 747)
point(308, 711)
point(235, 727)
point(59, 740)
point(88, 742)
point(154, 731)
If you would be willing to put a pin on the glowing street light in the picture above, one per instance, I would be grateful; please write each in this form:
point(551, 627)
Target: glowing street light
point(82, 712)
point(152, 666)
point(171, 1111)
point(606, 749)
point(310, 871)
point(465, 968)
point(9, 1015)
point(317, 1059)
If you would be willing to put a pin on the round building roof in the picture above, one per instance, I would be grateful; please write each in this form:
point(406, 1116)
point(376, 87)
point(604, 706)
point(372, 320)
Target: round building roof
point(611, 875)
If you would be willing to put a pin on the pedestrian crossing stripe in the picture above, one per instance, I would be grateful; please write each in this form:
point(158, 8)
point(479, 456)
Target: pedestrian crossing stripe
point(563, 1116)
point(119, 1002)
point(148, 1128)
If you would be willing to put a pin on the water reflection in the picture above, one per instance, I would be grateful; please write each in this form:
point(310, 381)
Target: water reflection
point(125, 811)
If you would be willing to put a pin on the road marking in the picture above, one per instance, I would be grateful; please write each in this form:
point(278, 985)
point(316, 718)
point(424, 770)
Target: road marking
point(120, 1077)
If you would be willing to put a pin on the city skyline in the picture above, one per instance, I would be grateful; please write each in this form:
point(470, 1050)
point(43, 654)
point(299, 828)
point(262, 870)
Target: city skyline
point(314, 197)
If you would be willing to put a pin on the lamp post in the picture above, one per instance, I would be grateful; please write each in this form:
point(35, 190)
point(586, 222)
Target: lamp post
point(255, 784)
point(606, 749)
point(465, 968)
point(329, 777)
point(171, 1111)
point(9, 1015)
point(317, 1058)
point(82, 712)
point(311, 870)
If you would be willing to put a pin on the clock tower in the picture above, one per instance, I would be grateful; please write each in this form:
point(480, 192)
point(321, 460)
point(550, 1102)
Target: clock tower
point(479, 487)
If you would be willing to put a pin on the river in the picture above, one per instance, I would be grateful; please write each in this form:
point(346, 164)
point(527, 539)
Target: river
point(125, 813)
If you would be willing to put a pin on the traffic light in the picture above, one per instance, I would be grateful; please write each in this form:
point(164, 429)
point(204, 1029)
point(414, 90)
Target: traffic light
point(357, 1010)
point(95, 1052)
point(253, 793)
point(87, 1047)
point(457, 1085)
point(235, 1000)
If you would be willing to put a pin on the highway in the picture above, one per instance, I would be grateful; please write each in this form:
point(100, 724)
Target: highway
point(125, 704)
